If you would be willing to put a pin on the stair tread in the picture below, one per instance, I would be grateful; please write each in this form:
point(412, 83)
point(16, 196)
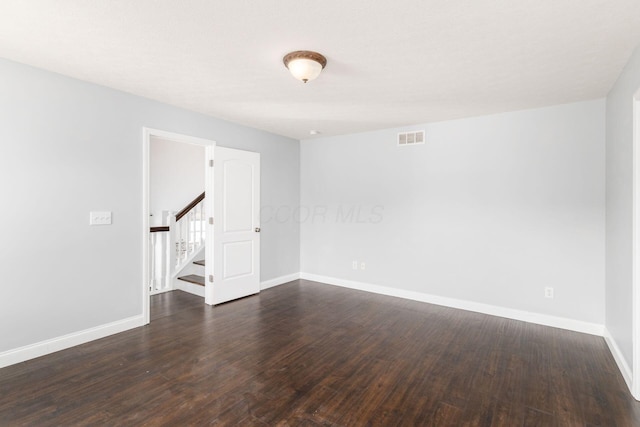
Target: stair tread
point(193, 278)
point(199, 262)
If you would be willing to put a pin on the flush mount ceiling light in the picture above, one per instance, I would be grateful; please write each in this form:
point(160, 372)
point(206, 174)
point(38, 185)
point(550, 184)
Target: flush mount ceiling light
point(304, 65)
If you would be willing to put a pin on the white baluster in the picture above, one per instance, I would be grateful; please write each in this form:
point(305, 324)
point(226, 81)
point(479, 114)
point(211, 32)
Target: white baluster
point(182, 251)
point(192, 230)
point(202, 222)
point(196, 226)
point(187, 222)
point(174, 235)
point(162, 260)
point(166, 250)
point(196, 237)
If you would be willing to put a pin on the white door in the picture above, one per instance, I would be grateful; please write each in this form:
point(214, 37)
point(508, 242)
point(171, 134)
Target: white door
point(236, 229)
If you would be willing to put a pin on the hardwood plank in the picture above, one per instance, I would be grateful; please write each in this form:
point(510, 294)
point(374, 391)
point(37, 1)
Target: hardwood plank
point(447, 415)
point(169, 303)
point(310, 354)
point(535, 418)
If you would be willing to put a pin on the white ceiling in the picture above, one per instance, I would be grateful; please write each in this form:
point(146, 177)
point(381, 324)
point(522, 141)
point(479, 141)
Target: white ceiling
point(390, 63)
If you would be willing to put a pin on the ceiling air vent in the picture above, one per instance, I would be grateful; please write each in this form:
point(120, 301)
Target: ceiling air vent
point(411, 138)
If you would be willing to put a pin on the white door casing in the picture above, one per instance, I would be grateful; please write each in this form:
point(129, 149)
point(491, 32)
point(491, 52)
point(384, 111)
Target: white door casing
point(208, 207)
point(236, 229)
point(147, 134)
point(634, 369)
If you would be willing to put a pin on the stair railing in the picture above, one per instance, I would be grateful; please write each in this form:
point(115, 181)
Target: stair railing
point(188, 233)
point(173, 246)
point(159, 256)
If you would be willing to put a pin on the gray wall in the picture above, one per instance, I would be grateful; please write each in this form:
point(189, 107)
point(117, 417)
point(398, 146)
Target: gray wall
point(490, 210)
point(619, 206)
point(69, 147)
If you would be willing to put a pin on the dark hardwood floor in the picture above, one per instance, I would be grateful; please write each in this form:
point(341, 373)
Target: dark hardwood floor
point(310, 354)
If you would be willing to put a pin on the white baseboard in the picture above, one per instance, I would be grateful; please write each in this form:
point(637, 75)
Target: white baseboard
point(279, 281)
point(42, 348)
point(623, 366)
point(509, 313)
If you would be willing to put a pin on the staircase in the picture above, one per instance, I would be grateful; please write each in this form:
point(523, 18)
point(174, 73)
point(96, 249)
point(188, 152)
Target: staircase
point(192, 278)
point(196, 279)
point(175, 249)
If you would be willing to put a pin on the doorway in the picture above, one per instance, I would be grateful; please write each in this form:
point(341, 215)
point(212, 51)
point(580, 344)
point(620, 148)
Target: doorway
point(175, 243)
point(177, 216)
point(230, 223)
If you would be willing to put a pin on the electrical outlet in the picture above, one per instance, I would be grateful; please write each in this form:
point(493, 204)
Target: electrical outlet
point(548, 292)
point(99, 218)
point(354, 265)
point(362, 266)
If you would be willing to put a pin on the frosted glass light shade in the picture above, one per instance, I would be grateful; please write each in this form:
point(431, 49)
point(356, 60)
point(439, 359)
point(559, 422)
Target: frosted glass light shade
point(304, 69)
point(304, 65)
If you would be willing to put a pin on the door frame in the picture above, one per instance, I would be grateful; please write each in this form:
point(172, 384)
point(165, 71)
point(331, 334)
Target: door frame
point(147, 134)
point(635, 252)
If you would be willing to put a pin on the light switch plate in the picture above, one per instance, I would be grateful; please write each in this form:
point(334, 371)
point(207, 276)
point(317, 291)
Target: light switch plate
point(100, 218)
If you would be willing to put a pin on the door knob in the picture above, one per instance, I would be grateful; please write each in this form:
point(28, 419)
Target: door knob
point(257, 229)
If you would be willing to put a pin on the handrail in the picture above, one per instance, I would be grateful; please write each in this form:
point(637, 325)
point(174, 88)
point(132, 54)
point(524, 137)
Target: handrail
point(159, 229)
point(190, 206)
